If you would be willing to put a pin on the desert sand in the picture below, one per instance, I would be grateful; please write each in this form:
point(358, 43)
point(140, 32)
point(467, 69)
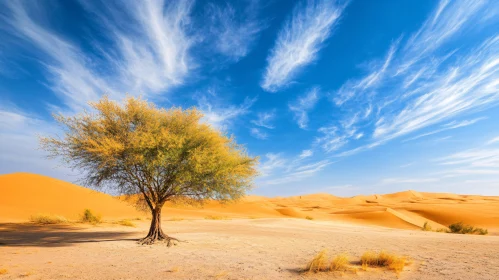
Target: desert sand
point(254, 238)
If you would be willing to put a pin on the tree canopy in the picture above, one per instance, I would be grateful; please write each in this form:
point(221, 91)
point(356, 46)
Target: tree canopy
point(137, 148)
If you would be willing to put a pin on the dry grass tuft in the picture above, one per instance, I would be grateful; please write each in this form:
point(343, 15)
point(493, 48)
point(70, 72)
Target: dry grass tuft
point(47, 219)
point(126, 223)
point(318, 263)
point(174, 269)
point(221, 274)
point(213, 217)
point(3, 271)
point(340, 263)
point(175, 219)
point(466, 229)
point(309, 218)
point(383, 259)
point(426, 227)
point(89, 217)
point(26, 274)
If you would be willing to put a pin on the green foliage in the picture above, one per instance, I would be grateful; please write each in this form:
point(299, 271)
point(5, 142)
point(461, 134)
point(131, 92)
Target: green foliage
point(466, 229)
point(135, 147)
point(89, 217)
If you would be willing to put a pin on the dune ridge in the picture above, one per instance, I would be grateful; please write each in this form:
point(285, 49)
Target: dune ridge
point(24, 194)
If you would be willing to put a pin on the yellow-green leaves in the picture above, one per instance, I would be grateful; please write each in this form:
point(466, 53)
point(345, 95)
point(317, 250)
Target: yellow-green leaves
point(139, 148)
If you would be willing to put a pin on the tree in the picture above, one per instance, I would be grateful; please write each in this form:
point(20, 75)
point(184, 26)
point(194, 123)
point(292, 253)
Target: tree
point(137, 148)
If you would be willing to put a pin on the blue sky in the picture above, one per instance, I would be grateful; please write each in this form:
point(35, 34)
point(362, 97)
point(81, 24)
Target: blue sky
point(343, 97)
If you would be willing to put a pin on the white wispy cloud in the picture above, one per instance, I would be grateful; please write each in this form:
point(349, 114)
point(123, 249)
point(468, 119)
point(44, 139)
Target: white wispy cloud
point(390, 181)
point(257, 133)
point(331, 139)
point(271, 163)
point(299, 173)
point(299, 41)
point(19, 143)
point(445, 127)
point(493, 141)
point(477, 161)
point(447, 20)
point(353, 88)
point(222, 116)
point(303, 105)
point(150, 49)
point(422, 82)
point(152, 40)
point(470, 85)
point(473, 158)
point(276, 169)
point(264, 119)
point(234, 31)
point(306, 153)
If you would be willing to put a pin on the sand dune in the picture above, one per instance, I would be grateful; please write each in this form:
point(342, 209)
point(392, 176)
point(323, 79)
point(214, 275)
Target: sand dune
point(26, 194)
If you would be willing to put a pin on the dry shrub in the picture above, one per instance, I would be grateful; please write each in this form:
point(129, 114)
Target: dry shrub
point(383, 259)
point(221, 274)
point(340, 263)
point(3, 271)
point(318, 263)
point(309, 218)
point(426, 226)
point(126, 223)
point(213, 217)
point(174, 269)
point(466, 229)
point(47, 219)
point(174, 219)
point(26, 274)
point(89, 217)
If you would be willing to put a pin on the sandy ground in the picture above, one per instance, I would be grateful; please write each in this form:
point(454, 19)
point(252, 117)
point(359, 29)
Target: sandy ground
point(235, 249)
point(257, 238)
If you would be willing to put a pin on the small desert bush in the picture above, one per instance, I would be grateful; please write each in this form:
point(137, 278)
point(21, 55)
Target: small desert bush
point(47, 219)
point(175, 219)
point(309, 218)
point(26, 274)
point(213, 217)
point(318, 263)
point(426, 227)
point(3, 271)
point(339, 263)
point(89, 217)
point(466, 229)
point(383, 259)
point(126, 223)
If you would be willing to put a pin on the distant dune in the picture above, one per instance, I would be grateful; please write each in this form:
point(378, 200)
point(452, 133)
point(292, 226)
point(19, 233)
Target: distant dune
point(24, 194)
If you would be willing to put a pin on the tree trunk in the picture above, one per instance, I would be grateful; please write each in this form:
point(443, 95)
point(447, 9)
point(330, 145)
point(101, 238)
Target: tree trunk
point(155, 231)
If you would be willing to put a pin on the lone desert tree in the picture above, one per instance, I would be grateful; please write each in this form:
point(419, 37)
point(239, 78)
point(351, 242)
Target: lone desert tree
point(161, 154)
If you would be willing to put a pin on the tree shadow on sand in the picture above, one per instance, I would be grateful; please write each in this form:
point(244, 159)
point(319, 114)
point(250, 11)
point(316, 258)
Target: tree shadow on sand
point(13, 234)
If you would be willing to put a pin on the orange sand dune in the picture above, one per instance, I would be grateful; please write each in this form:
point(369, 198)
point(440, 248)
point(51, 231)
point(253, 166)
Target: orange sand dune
point(26, 194)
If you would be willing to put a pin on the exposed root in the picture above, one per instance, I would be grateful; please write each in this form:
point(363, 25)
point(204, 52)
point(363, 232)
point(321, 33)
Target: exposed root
point(149, 240)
